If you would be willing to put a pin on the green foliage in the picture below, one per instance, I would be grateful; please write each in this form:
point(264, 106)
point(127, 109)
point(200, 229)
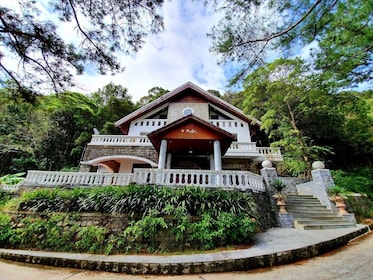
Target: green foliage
point(12, 179)
point(153, 94)
point(4, 197)
point(139, 200)
point(337, 190)
point(340, 33)
point(6, 230)
point(91, 239)
point(279, 185)
point(359, 180)
point(163, 219)
point(288, 100)
point(52, 132)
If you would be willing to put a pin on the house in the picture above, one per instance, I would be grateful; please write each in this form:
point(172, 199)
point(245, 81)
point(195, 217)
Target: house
point(190, 137)
point(186, 137)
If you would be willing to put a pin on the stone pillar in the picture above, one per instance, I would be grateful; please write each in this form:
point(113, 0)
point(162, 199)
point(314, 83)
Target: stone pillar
point(323, 179)
point(217, 155)
point(269, 174)
point(162, 154)
point(318, 187)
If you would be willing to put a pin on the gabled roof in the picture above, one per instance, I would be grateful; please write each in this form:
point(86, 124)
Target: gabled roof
point(124, 122)
point(191, 132)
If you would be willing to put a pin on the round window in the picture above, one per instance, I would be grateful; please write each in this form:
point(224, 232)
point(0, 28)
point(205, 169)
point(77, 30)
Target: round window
point(188, 111)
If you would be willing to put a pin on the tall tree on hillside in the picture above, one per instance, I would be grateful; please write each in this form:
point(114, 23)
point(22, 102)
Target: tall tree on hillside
point(153, 94)
point(45, 60)
point(22, 127)
point(340, 30)
point(71, 118)
point(285, 97)
point(113, 103)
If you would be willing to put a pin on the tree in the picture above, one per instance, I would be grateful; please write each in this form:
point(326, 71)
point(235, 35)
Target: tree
point(48, 61)
point(288, 99)
point(21, 130)
point(113, 103)
point(153, 94)
point(342, 31)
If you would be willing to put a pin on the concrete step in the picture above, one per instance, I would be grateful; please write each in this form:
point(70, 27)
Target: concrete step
point(306, 208)
point(309, 221)
point(310, 214)
point(325, 226)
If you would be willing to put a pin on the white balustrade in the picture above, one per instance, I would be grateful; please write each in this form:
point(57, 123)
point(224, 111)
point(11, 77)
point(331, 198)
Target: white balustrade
point(56, 178)
point(204, 178)
point(119, 140)
point(268, 150)
point(242, 180)
point(226, 124)
point(9, 188)
point(241, 149)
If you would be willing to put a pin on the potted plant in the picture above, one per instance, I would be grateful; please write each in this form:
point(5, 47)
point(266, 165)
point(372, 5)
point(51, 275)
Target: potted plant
point(280, 195)
point(338, 194)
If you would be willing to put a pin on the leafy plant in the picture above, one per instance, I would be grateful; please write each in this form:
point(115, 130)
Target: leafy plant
point(337, 190)
point(6, 230)
point(12, 179)
point(91, 239)
point(280, 187)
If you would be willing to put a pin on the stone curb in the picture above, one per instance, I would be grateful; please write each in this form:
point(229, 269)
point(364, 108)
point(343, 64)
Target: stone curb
point(179, 264)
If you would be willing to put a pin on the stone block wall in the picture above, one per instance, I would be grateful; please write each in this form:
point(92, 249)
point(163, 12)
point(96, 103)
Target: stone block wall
point(147, 152)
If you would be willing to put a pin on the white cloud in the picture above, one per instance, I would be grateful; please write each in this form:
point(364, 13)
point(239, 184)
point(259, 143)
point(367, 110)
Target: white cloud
point(177, 55)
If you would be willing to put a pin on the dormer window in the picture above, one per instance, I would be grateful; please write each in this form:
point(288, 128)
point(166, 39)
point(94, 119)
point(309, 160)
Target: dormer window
point(187, 111)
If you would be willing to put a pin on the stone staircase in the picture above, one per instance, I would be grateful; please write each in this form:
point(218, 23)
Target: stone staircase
point(310, 214)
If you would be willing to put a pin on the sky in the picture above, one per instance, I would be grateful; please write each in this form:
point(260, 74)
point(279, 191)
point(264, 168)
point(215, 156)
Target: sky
point(171, 58)
point(179, 54)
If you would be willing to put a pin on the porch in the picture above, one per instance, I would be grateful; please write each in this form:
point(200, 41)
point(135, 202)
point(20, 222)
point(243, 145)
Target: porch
point(242, 180)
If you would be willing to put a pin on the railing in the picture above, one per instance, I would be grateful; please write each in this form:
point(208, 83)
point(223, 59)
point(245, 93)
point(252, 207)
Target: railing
point(120, 140)
point(9, 188)
point(150, 123)
point(205, 178)
point(56, 178)
point(241, 149)
point(227, 123)
point(242, 180)
point(268, 151)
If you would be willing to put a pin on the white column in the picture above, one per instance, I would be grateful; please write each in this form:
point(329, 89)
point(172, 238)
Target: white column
point(212, 162)
point(217, 155)
point(168, 162)
point(162, 154)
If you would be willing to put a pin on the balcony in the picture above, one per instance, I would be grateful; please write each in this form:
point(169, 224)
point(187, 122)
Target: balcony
point(236, 150)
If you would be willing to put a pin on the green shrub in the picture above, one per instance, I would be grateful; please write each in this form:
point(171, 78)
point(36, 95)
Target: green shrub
point(91, 239)
point(359, 180)
point(6, 230)
point(163, 219)
point(4, 197)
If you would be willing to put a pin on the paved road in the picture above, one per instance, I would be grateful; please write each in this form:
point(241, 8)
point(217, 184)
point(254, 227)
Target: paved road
point(353, 262)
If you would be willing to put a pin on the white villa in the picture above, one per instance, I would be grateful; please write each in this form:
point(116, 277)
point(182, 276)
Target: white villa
point(186, 137)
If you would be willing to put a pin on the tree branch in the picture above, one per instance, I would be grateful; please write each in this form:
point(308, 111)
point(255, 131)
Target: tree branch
point(287, 30)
